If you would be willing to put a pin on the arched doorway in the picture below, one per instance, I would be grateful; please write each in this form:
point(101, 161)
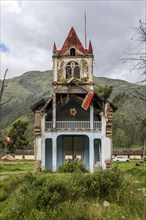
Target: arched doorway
point(72, 147)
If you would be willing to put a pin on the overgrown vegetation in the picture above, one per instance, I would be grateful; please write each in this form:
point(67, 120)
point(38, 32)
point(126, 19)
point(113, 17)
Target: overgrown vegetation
point(101, 195)
point(137, 93)
point(72, 167)
point(104, 91)
point(128, 129)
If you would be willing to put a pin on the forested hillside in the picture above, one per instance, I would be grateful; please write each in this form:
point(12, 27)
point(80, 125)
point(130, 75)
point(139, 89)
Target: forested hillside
point(35, 85)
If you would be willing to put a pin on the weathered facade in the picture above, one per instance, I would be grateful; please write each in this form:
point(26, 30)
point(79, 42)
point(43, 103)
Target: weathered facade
point(73, 123)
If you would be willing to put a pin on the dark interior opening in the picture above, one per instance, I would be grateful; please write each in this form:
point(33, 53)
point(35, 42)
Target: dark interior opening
point(72, 52)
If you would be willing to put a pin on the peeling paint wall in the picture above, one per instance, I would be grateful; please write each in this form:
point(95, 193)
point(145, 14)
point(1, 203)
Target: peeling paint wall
point(85, 65)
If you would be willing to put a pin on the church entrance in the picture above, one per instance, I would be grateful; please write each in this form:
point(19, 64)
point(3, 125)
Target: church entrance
point(72, 148)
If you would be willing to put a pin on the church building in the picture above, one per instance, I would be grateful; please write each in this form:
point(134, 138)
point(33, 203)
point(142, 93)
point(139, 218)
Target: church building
point(74, 123)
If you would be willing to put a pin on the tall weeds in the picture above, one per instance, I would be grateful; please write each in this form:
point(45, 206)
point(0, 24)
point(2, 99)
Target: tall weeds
point(77, 196)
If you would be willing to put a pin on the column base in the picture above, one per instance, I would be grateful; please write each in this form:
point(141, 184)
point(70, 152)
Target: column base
point(37, 166)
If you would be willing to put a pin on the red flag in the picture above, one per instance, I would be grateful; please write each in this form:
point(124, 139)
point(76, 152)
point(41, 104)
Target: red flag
point(8, 139)
point(87, 100)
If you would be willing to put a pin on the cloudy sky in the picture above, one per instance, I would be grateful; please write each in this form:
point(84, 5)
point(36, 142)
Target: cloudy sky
point(29, 29)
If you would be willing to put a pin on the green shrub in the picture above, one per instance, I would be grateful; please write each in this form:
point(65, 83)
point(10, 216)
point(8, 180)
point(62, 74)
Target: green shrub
point(109, 182)
point(46, 171)
point(76, 196)
point(50, 194)
point(72, 167)
point(8, 185)
point(103, 184)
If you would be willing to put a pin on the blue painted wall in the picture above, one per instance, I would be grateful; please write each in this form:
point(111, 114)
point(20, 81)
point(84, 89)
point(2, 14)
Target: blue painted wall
point(60, 151)
point(97, 150)
point(86, 152)
point(48, 153)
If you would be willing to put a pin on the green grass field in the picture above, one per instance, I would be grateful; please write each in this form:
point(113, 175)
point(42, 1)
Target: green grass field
point(137, 174)
point(14, 166)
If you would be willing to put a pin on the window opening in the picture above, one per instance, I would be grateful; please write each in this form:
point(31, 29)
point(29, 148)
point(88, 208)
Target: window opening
point(77, 72)
point(68, 72)
point(72, 70)
point(72, 52)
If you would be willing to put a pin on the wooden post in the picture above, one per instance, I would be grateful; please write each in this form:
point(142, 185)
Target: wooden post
point(6, 144)
point(91, 116)
point(144, 147)
point(54, 111)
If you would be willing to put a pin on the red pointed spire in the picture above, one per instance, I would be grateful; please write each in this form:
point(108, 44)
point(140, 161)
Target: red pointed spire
point(72, 40)
point(54, 47)
point(90, 47)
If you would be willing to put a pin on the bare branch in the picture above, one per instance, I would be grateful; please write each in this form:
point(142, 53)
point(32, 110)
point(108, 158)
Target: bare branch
point(6, 101)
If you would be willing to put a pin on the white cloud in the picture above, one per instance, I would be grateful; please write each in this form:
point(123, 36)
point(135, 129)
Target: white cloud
point(29, 29)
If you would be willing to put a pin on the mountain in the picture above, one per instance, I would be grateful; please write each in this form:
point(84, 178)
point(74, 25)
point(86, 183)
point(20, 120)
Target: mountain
point(25, 90)
point(31, 87)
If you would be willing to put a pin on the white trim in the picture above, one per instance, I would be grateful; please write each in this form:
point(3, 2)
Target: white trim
point(43, 140)
point(74, 125)
point(54, 153)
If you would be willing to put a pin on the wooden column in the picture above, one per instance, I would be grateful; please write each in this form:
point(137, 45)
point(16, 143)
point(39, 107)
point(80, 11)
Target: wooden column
point(43, 140)
point(54, 110)
point(91, 153)
point(54, 152)
point(91, 116)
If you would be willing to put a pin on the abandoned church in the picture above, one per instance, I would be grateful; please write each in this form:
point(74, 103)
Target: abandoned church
point(74, 123)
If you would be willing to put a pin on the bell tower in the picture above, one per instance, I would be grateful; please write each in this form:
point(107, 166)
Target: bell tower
point(73, 66)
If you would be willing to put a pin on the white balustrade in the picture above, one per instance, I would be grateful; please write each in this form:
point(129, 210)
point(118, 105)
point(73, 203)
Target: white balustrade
point(73, 125)
point(97, 125)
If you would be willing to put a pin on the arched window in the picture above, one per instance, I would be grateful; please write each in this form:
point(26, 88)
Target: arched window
point(77, 72)
point(72, 52)
point(72, 70)
point(68, 72)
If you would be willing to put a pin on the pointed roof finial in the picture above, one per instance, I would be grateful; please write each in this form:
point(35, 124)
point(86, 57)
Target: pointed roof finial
point(90, 49)
point(54, 47)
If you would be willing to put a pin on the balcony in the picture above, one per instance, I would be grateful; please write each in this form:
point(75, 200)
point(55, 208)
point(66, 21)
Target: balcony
point(73, 125)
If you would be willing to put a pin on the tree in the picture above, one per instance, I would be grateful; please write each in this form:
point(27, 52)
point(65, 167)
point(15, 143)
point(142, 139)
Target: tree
point(126, 124)
point(138, 59)
point(119, 99)
point(2, 145)
point(17, 134)
point(104, 92)
point(2, 90)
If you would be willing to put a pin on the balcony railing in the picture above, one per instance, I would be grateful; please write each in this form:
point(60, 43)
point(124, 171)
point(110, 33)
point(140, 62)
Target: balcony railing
point(73, 125)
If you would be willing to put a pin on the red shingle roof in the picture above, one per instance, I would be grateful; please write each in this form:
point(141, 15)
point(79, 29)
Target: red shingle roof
point(72, 40)
point(54, 48)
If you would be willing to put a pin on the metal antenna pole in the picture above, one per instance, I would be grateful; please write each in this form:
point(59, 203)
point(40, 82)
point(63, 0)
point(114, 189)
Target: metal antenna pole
point(85, 30)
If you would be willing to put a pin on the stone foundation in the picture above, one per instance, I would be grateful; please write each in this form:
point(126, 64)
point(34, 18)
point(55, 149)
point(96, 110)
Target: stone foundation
point(37, 166)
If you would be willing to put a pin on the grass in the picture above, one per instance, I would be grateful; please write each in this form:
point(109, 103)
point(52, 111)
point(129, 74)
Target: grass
point(73, 196)
point(13, 166)
point(137, 174)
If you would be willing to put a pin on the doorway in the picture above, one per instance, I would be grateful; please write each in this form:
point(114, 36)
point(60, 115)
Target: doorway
point(73, 148)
